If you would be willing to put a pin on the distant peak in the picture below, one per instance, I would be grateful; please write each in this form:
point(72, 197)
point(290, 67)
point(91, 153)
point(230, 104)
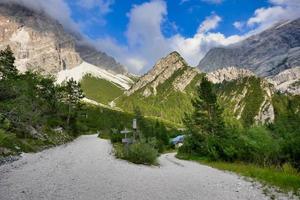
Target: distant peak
point(175, 53)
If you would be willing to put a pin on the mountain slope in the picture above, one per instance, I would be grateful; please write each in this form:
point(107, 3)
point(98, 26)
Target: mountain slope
point(166, 91)
point(77, 73)
point(91, 55)
point(266, 54)
point(100, 90)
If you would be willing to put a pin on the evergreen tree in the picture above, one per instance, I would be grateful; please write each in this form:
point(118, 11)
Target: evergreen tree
point(73, 95)
point(141, 123)
point(207, 117)
point(7, 67)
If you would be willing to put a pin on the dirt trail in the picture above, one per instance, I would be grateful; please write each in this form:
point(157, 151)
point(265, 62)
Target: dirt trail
point(85, 169)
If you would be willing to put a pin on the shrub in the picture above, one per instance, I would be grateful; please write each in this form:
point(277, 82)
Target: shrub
point(141, 153)
point(259, 146)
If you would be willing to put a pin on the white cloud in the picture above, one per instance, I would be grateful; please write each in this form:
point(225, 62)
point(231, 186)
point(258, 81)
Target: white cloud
point(56, 9)
point(210, 23)
point(278, 11)
point(104, 6)
point(239, 25)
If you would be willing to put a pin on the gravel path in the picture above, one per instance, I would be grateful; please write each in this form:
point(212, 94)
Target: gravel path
point(85, 169)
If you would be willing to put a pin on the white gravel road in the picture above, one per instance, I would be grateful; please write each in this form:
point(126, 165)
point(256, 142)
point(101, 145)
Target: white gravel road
point(85, 169)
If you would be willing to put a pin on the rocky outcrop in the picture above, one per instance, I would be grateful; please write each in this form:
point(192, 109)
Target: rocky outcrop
point(287, 81)
point(266, 54)
point(266, 112)
point(38, 42)
point(228, 74)
point(161, 71)
point(181, 82)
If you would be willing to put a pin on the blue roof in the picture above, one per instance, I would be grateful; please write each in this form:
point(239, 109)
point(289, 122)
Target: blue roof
point(178, 139)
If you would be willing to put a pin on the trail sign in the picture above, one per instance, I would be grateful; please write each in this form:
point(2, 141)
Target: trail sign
point(125, 131)
point(127, 140)
point(134, 124)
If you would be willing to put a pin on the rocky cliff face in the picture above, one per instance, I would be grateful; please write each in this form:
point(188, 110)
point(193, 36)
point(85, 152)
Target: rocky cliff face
point(38, 42)
point(287, 81)
point(41, 43)
point(228, 74)
point(162, 71)
point(265, 54)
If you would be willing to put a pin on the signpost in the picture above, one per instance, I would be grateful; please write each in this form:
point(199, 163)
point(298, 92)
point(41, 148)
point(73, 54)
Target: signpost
point(134, 127)
point(127, 140)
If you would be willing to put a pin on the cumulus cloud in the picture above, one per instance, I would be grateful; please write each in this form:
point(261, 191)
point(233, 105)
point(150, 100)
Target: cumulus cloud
point(60, 10)
point(210, 23)
point(278, 11)
point(104, 6)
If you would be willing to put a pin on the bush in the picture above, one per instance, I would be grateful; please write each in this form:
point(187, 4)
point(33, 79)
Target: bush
point(116, 137)
point(260, 147)
point(141, 153)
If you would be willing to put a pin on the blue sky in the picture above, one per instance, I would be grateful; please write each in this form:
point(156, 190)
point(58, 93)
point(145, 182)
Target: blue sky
point(139, 32)
point(183, 17)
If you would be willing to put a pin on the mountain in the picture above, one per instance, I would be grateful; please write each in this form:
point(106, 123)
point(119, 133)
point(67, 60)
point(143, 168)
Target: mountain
point(266, 54)
point(91, 55)
point(38, 42)
point(41, 43)
point(167, 89)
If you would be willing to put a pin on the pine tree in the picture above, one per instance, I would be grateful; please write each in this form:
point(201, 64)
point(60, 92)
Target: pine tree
point(207, 117)
point(7, 67)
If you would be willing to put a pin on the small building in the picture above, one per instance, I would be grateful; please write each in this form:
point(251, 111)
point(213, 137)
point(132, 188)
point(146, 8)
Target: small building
point(178, 141)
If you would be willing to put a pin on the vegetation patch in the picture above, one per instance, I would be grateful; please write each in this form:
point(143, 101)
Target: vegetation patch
point(100, 90)
point(167, 104)
point(286, 178)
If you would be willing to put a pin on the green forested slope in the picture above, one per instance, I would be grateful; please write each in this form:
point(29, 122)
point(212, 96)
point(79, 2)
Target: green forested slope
point(100, 90)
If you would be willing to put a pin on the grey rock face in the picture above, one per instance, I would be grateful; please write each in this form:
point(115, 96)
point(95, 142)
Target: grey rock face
point(42, 44)
point(38, 42)
point(89, 54)
point(287, 81)
point(228, 74)
point(265, 54)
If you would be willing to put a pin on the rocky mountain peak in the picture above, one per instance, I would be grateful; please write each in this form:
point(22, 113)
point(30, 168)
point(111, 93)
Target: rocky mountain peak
point(228, 74)
point(161, 71)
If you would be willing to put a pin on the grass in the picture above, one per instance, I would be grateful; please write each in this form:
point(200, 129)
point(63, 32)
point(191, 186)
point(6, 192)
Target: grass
point(285, 178)
point(100, 90)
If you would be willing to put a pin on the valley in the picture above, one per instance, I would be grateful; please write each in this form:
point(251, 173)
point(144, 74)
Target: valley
point(76, 122)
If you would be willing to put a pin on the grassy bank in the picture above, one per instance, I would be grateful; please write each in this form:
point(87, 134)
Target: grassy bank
point(285, 178)
point(11, 144)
